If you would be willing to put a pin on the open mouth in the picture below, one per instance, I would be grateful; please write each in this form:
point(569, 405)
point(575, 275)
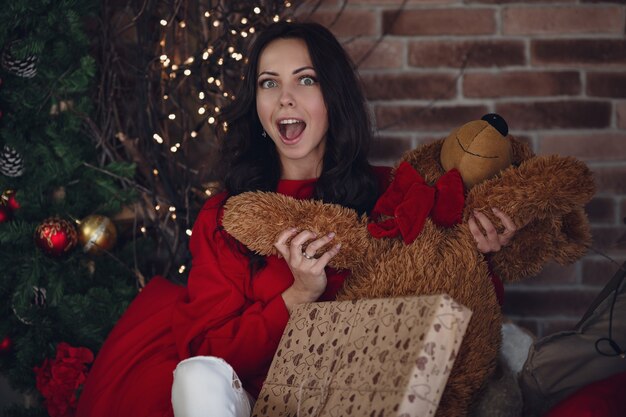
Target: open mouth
point(290, 129)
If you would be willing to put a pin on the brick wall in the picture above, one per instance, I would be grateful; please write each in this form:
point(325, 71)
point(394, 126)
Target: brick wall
point(555, 69)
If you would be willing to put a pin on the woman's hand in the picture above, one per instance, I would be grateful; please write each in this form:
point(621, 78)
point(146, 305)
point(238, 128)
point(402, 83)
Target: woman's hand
point(491, 241)
point(307, 268)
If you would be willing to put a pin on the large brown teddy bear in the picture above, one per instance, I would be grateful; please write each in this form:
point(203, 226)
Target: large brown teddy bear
point(543, 194)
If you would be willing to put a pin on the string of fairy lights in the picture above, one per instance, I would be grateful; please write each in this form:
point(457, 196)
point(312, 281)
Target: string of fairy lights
point(196, 85)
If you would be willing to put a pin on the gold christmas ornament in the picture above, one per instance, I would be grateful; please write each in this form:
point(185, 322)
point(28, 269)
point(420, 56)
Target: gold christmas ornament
point(96, 234)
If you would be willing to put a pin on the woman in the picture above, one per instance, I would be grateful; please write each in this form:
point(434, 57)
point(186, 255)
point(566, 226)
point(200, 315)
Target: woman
point(299, 127)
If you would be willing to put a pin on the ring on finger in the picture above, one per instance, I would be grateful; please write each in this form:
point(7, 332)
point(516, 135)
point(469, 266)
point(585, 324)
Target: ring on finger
point(307, 256)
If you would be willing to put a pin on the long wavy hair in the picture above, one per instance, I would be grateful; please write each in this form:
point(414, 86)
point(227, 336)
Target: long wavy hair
point(251, 162)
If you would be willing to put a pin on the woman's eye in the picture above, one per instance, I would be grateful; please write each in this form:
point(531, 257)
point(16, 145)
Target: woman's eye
point(267, 84)
point(307, 80)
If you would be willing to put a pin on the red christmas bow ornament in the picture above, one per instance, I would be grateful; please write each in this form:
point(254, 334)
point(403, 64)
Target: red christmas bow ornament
point(409, 200)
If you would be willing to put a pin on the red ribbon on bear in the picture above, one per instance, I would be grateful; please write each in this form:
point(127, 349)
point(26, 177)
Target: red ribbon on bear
point(409, 200)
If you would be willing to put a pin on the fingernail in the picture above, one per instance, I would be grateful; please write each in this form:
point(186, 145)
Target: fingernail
point(338, 246)
point(495, 210)
point(331, 235)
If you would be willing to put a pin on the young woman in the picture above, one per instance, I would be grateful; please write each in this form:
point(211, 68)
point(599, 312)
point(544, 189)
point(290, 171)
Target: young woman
point(299, 127)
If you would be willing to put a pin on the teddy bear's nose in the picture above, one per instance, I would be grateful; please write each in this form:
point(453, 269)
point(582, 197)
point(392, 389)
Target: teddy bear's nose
point(497, 122)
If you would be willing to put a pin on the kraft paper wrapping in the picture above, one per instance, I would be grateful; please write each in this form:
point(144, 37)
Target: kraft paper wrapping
point(381, 357)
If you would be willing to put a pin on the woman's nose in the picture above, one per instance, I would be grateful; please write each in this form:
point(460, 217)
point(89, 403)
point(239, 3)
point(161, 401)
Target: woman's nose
point(287, 99)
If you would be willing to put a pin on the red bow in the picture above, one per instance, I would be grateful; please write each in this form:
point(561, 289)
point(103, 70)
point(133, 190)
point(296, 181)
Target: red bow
point(409, 200)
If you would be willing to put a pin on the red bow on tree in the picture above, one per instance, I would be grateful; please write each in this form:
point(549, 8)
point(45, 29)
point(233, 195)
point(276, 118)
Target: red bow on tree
point(409, 200)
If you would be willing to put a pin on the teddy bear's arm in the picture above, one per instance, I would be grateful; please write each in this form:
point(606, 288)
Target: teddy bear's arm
point(545, 197)
point(257, 218)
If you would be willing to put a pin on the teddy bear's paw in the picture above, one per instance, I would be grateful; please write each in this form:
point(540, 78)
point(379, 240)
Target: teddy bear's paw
point(256, 219)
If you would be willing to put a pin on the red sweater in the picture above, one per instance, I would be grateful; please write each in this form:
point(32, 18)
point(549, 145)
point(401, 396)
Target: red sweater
point(221, 312)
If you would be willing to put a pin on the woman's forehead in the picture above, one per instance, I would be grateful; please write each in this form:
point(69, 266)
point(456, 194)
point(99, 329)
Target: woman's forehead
point(284, 55)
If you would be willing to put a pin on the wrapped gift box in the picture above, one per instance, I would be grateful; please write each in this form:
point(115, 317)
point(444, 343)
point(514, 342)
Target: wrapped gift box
point(382, 357)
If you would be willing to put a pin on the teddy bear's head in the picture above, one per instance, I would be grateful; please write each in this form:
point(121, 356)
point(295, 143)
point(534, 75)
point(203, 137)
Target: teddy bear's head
point(479, 149)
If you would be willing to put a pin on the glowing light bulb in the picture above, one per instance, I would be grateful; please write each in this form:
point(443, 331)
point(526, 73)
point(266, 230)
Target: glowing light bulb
point(182, 24)
point(172, 116)
point(155, 172)
point(157, 207)
point(181, 269)
point(194, 133)
point(201, 95)
point(257, 10)
point(163, 22)
point(211, 120)
point(173, 149)
point(187, 72)
point(216, 23)
point(188, 232)
point(201, 110)
point(158, 138)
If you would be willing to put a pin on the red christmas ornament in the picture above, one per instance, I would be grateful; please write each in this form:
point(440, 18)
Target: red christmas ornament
point(5, 214)
point(8, 199)
point(6, 345)
point(55, 237)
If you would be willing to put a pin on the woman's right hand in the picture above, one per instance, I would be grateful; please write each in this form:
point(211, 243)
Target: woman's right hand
point(309, 277)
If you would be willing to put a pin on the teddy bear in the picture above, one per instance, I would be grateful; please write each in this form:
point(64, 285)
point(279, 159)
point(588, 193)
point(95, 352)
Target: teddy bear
point(416, 240)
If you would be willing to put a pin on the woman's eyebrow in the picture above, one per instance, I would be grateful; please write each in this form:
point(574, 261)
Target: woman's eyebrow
point(296, 71)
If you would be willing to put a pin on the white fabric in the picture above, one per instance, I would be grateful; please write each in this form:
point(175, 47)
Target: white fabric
point(206, 386)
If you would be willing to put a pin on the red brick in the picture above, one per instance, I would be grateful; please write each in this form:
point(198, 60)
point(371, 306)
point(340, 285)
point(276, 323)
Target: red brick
point(610, 180)
point(601, 210)
point(518, 1)
point(609, 239)
point(425, 117)
point(560, 301)
point(457, 54)
point(562, 20)
point(599, 271)
point(409, 86)
point(620, 109)
point(607, 84)
point(521, 84)
point(446, 21)
point(578, 51)
point(399, 2)
point(589, 147)
point(348, 23)
point(387, 150)
point(603, 1)
point(552, 273)
point(556, 114)
point(368, 54)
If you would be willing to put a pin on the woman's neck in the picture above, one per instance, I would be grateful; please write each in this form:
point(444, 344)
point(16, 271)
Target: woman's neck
point(299, 171)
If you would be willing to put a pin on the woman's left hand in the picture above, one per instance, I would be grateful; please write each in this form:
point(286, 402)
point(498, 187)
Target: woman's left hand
point(491, 240)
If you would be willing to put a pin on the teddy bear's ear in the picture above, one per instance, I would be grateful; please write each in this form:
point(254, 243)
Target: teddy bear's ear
point(256, 219)
point(521, 150)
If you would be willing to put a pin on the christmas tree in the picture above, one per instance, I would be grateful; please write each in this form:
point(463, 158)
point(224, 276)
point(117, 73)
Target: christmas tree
point(61, 281)
point(107, 146)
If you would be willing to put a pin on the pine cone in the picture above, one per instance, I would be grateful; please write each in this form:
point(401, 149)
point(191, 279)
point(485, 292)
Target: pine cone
point(11, 163)
point(26, 67)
